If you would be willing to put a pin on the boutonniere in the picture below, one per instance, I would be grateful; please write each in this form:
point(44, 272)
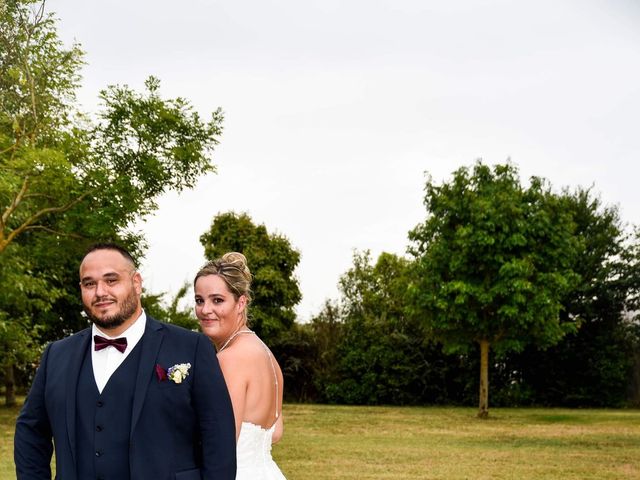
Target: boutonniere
point(178, 372)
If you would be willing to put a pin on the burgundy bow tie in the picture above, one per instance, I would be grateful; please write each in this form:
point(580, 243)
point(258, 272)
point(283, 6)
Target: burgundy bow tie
point(119, 343)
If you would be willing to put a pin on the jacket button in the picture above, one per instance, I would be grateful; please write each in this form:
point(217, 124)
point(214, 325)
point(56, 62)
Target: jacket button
point(100, 403)
point(98, 428)
point(98, 454)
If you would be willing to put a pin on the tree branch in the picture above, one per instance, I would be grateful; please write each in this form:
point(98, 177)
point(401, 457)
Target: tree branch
point(12, 147)
point(28, 223)
point(16, 201)
point(55, 232)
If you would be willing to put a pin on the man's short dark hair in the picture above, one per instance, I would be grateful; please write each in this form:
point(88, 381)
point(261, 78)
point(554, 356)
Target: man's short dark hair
point(111, 246)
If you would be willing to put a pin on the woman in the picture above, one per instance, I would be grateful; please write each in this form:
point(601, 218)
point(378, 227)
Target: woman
point(253, 376)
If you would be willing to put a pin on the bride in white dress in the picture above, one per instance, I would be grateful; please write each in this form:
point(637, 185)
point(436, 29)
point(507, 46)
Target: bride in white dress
point(253, 376)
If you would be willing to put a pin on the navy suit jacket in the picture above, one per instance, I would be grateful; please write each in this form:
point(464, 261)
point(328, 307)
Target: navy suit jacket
point(178, 431)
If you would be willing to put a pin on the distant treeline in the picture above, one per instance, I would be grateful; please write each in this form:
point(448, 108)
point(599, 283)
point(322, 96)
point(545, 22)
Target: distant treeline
point(548, 280)
point(387, 362)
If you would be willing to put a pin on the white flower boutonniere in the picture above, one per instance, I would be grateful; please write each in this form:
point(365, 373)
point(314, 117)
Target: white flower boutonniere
point(178, 372)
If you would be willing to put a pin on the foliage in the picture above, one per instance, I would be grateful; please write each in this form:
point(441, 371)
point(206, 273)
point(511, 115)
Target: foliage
point(24, 296)
point(272, 261)
point(378, 351)
point(57, 166)
point(591, 367)
point(296, 350)
point(376, 354)
point(155, 306)
point(493, 263)
point(66, 181)
point(365, 349)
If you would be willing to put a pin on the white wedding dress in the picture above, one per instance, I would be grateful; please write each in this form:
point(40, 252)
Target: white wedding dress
point(254, 454)
point(253, 450)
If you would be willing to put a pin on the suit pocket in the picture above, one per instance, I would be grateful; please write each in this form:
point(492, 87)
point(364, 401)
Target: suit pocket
point(193, 474)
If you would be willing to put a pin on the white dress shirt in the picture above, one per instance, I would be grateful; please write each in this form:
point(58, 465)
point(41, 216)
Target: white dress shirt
point(107, 360)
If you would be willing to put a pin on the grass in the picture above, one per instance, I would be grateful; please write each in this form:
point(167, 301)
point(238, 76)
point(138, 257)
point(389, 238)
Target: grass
point(438, 443)
point(7, 424)
point(349, 443)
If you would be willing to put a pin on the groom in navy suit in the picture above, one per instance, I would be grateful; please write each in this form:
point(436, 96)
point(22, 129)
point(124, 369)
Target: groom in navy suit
point(129, 398)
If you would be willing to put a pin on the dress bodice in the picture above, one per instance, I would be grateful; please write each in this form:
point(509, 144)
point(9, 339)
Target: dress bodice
point(254, 454)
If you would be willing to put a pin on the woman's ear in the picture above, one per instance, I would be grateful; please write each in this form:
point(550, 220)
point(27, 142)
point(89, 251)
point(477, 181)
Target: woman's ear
point(242, 303)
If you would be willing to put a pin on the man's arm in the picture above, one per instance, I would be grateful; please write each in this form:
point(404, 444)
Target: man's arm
point(215, 415)
point(33, 445)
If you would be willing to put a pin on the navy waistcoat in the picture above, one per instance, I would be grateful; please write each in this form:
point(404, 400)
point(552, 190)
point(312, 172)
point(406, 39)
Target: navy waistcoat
point(103, 420)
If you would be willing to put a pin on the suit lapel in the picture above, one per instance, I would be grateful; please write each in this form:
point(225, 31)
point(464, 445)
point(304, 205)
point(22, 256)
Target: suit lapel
point(151, 341)
point(75, 362)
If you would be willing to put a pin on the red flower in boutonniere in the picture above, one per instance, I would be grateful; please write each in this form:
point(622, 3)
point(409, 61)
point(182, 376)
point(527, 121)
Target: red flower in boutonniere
point(161, 373)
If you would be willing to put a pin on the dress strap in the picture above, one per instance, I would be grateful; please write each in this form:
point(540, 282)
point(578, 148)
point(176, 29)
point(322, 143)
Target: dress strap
point(275, 375)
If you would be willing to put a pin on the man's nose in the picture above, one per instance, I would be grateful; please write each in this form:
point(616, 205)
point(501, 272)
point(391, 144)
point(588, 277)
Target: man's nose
point(101, 288)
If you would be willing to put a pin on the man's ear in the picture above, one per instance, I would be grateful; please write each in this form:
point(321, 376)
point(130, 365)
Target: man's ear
point(137, 282)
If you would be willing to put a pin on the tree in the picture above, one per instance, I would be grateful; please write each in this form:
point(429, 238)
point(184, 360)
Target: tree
point(380, 356)
point(56, 165)
point(590, 367)
point(156, 306)
point(67, 181)
point(493, 264)
point(272, 261)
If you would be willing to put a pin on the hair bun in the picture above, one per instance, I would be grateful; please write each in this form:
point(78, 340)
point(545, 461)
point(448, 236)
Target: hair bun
point(236, 259)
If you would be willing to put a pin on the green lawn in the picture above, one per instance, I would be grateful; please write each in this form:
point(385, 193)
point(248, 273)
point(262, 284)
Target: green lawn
point(359, 443)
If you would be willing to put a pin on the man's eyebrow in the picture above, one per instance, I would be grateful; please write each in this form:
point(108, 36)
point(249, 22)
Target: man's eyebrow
point(106, 275)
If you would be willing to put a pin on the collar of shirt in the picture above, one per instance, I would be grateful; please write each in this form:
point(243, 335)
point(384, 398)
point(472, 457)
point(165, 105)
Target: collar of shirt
point(107, 360)
point(133, 334)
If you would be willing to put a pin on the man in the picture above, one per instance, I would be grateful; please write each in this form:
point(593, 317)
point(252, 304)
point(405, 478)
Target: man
point(151, 404)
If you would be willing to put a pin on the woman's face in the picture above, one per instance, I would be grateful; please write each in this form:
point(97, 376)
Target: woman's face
point(219, 313)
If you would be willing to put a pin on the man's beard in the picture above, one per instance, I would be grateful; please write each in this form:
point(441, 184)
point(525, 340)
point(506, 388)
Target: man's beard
point(127, 309)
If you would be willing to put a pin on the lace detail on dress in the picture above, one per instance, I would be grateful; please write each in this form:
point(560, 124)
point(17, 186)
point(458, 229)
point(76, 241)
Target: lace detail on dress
point(254, 454)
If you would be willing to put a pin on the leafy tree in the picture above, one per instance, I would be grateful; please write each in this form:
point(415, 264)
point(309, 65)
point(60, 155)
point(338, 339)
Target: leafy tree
point(632, 258)
point(66, 181)
point(308, 354)
point(493, 264)
point(590, 367)
point(297, 352)
point(172, 312)
point(272, 261)
point(380, 357)
point(327, 334)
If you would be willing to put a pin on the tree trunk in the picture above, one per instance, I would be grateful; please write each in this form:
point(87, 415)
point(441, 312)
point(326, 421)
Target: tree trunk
point(483, 411)
point(10, 387)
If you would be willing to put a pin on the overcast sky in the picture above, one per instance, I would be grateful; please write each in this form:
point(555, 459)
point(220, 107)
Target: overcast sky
point(334, 110)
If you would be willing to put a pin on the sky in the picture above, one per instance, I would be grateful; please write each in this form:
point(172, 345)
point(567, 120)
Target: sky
point(335, 111)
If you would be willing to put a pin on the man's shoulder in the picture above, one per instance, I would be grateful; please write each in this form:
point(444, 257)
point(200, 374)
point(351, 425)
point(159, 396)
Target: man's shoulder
point(72, 339)
point(68, 346)
point(170, 328)
point(181, 339)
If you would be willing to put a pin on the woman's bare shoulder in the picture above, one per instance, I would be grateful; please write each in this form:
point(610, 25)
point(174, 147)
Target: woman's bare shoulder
point(242, 353)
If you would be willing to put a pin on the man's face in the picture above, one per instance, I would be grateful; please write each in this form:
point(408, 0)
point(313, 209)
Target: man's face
point(110, 289)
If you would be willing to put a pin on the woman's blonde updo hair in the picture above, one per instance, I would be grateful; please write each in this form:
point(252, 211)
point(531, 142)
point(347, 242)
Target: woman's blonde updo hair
point(232, 268)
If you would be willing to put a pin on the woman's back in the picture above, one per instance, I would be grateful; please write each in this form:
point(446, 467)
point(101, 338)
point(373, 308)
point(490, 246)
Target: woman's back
point(255, 381)
point(222, 290)
point(264, 390)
